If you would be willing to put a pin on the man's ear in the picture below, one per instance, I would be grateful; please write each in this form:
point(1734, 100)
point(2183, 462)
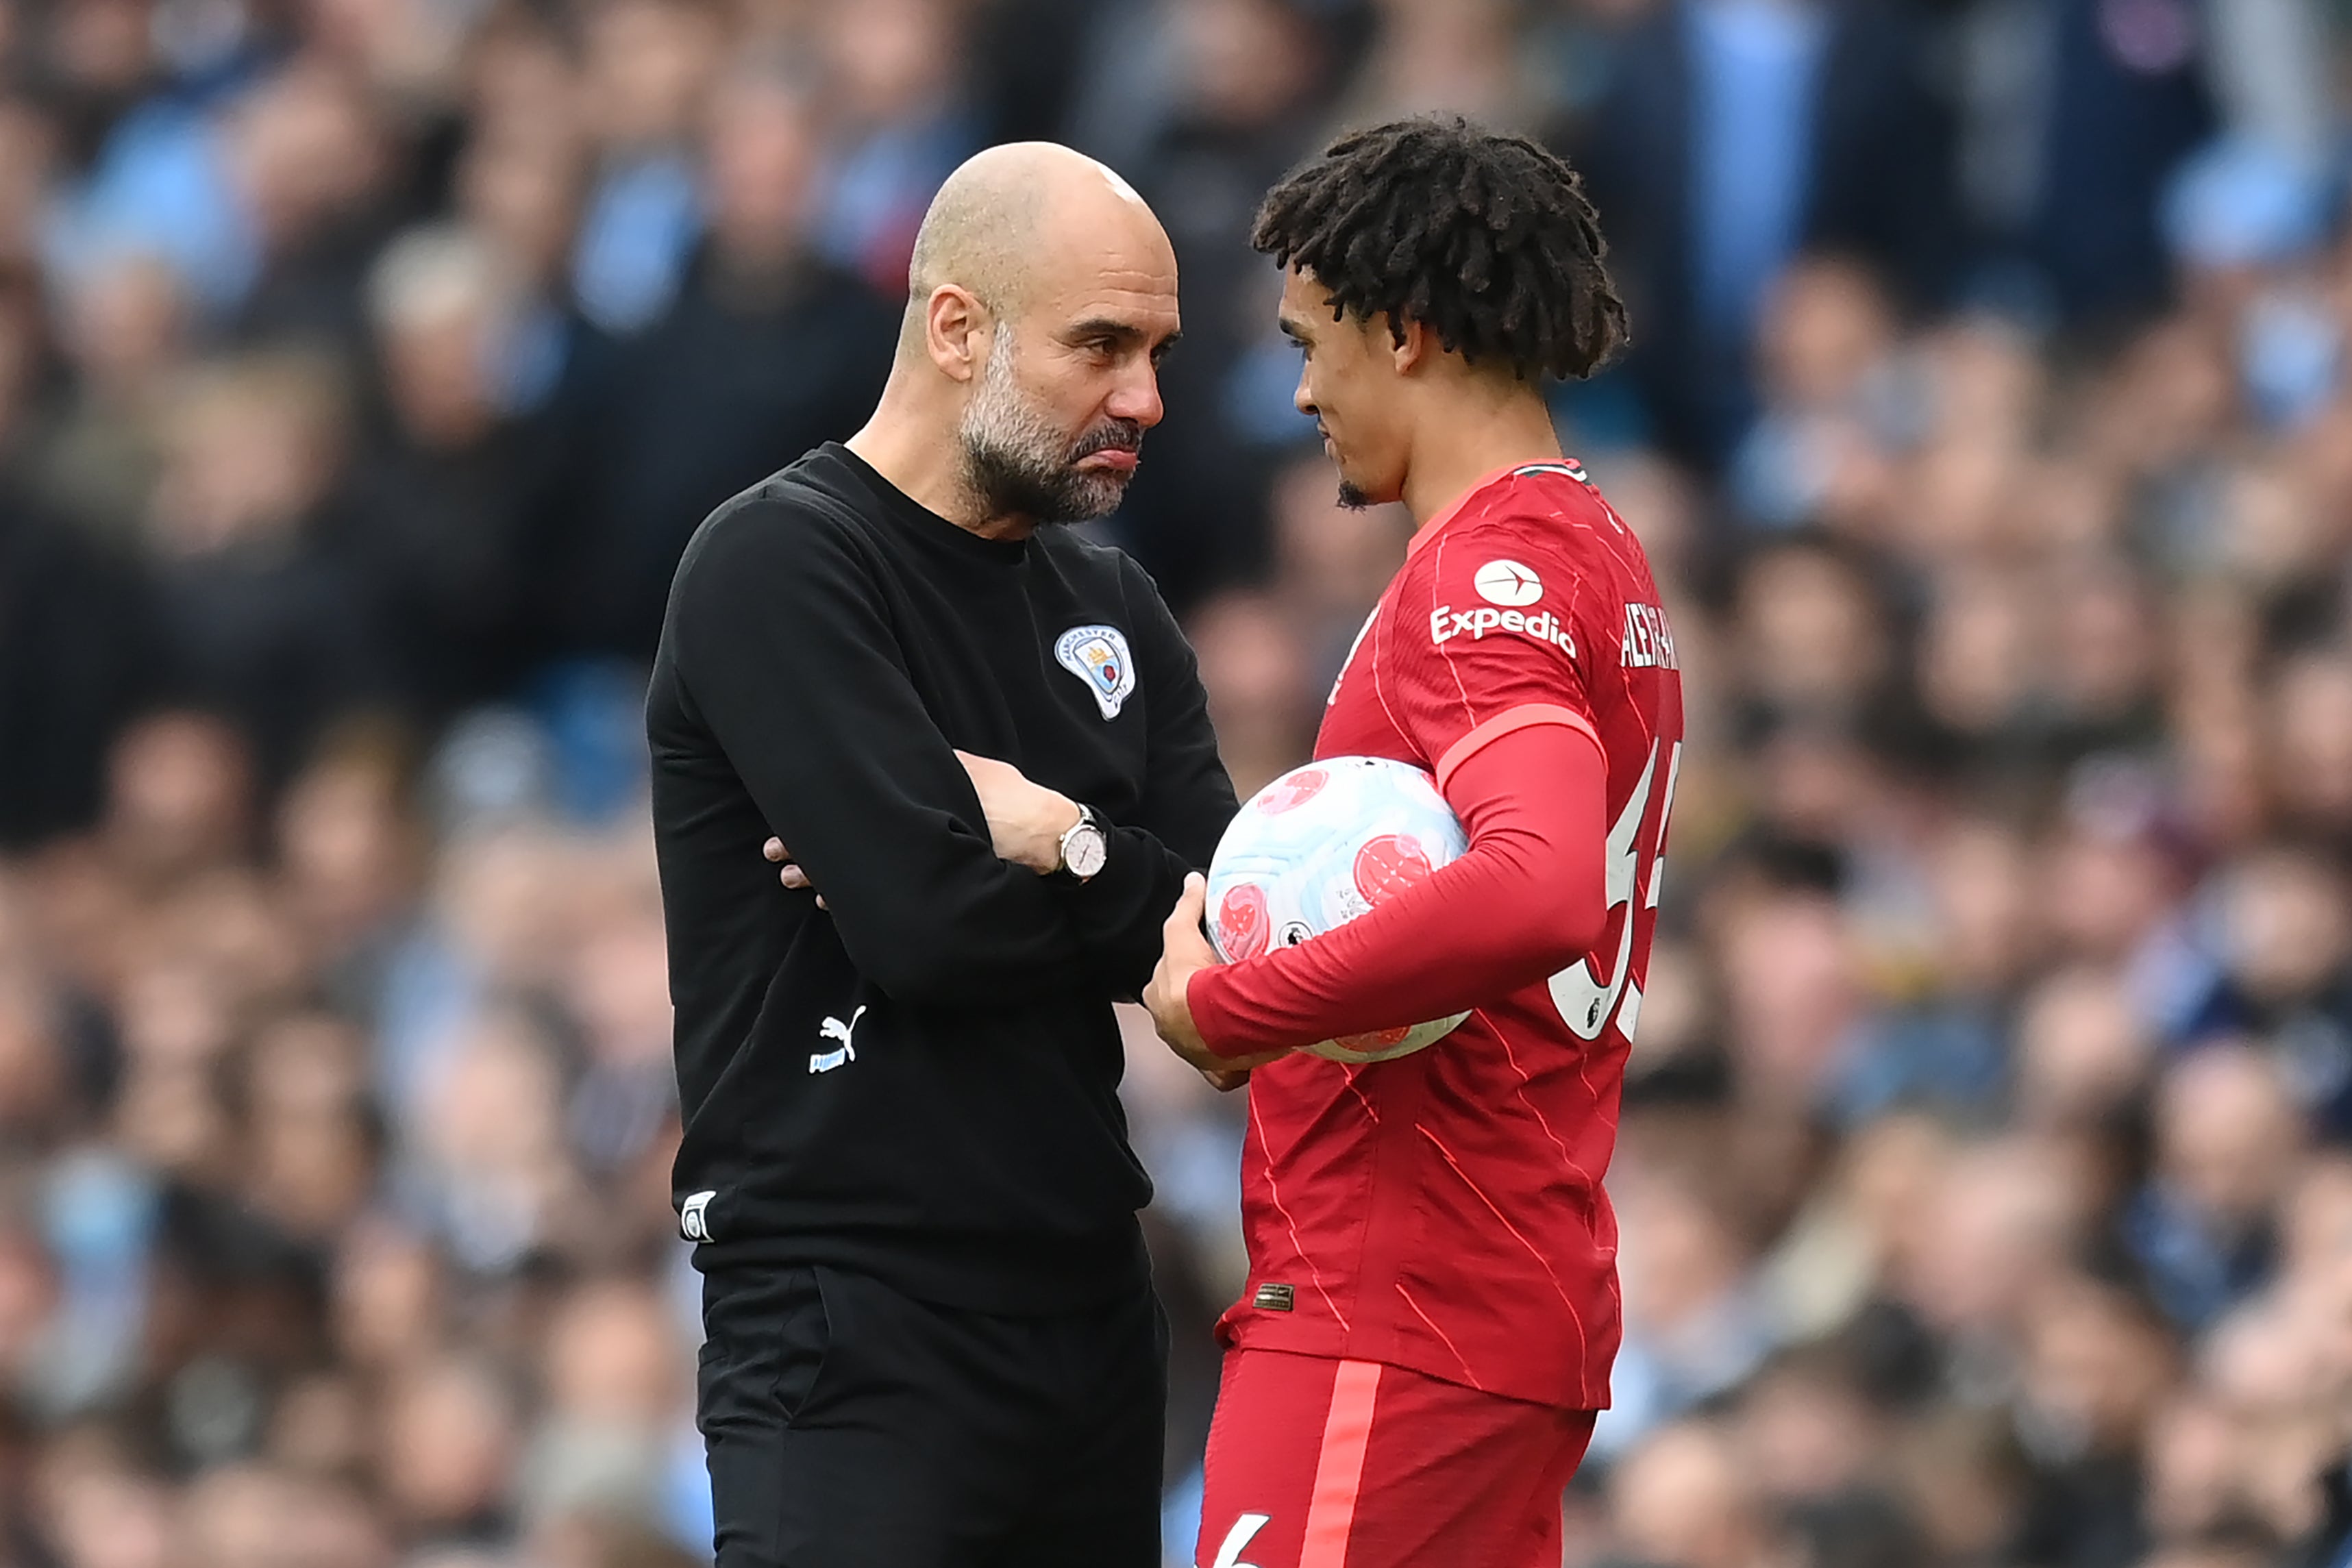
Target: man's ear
point(1408, 347)
point(955, 325)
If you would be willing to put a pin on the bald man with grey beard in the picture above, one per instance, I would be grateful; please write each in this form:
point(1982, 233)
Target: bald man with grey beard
point(931, 1338)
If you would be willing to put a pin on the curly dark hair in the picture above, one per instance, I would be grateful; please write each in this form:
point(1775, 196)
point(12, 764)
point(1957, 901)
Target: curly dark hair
point(1488, 240)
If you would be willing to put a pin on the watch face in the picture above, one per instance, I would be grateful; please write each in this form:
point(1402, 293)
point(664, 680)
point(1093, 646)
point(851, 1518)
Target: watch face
point(1087, 851)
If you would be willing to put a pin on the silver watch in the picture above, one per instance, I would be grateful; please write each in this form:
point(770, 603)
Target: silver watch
point(1084, 847)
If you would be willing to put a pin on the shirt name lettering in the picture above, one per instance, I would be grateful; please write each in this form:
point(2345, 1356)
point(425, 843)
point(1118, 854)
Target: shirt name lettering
point(1649, 644)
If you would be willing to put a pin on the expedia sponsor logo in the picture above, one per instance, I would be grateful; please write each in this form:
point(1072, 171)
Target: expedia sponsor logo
point(1445, 624)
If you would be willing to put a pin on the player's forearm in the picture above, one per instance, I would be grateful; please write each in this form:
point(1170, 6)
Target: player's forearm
point(1405, 963)
point(1522, 903)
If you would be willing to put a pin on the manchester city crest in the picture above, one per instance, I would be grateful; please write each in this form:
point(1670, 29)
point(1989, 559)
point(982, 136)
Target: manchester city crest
point(1098, 657)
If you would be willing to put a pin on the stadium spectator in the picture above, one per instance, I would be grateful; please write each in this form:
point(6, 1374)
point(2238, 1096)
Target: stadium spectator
point(767, 349)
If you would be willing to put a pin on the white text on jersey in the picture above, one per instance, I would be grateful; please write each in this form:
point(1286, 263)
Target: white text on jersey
point(1445, 624)
point(1649, 644)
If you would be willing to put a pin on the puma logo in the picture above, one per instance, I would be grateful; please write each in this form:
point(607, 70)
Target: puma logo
point(834, 1029)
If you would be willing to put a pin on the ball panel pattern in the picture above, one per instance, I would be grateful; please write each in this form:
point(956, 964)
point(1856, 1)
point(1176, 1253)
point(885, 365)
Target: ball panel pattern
point(1319, 846)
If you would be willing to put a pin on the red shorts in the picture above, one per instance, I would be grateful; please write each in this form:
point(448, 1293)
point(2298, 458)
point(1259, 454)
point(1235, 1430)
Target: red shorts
point(1315, 1463)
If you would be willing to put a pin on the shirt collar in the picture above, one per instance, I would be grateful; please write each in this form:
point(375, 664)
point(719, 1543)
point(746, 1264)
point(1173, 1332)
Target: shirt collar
point(1454, 509)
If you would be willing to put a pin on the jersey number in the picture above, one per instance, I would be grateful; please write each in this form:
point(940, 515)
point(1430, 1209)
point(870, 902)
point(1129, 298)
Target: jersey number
point(1586, 1003)
point(1229, 1556)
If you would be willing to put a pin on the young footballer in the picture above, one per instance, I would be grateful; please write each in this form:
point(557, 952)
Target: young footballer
point(1416, 1363)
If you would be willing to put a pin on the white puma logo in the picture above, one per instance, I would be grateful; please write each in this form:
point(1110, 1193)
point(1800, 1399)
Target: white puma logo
point(834, 1029)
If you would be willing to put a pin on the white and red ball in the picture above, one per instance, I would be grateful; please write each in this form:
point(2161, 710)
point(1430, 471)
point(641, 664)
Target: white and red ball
point(1319, 846)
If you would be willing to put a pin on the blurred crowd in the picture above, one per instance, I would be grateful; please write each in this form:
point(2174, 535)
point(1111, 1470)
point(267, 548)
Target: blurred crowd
point(1986, 1178)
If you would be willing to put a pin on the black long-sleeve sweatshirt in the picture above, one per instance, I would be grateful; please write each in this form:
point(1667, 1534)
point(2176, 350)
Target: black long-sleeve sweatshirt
point(922, 1082)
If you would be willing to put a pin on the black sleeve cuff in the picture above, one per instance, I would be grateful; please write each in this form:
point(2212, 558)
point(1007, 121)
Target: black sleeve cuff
point(1116, 915)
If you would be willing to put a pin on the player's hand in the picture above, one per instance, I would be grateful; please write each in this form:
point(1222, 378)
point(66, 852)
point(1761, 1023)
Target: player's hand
point(1026, 821)
point(1184, 952)
point(791, 876)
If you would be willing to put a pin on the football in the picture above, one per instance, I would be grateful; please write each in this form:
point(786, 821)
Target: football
point(1319, 846)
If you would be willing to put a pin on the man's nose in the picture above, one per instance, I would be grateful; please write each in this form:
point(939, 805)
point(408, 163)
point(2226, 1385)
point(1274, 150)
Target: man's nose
point(1137, 397)
point(1302, 396)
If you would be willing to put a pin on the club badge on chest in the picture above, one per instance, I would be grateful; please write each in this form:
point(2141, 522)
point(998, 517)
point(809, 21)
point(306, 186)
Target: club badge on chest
point(1098, 657)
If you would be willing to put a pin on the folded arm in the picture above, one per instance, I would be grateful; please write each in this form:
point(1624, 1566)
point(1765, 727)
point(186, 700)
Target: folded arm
point(788, 656)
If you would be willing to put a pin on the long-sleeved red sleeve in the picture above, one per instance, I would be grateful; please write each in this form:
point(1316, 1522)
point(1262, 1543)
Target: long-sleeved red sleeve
point(1526, 900)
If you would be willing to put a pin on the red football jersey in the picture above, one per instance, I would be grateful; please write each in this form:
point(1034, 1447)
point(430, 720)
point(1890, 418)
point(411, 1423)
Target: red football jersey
point(1443, 1211)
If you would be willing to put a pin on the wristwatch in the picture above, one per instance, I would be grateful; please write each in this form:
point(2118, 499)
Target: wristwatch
point(1084, 847)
